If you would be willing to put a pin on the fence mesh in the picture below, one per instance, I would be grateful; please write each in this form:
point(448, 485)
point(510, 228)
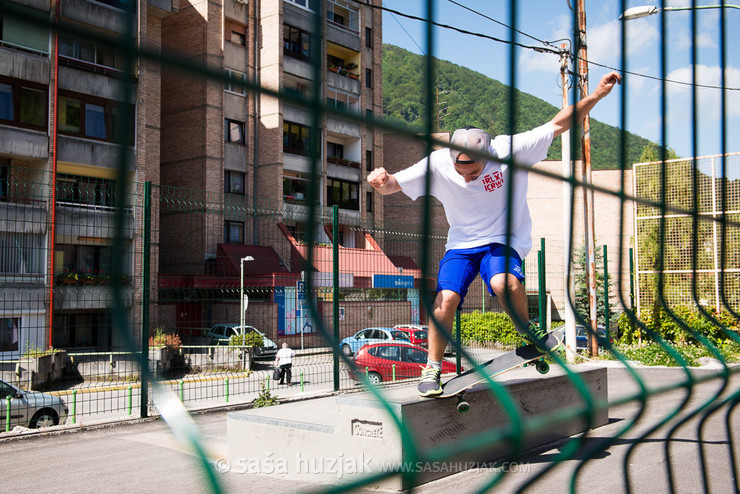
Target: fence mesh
point(125, 298)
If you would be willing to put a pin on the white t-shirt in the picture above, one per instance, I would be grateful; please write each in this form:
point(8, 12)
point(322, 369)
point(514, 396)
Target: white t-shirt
point(477, 211)
point(285, 356)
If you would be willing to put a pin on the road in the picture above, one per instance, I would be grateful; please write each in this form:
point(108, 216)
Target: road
point(146, 457)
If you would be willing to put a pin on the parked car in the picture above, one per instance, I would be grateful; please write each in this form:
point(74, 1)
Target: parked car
point(30, 408)
point(220, 334)
point(379, 359)
point(422, 340)
point(351, 344)
point(417, 333)
point(582, 336)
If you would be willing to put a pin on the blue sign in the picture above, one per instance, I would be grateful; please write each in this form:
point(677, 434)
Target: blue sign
point(392, 281)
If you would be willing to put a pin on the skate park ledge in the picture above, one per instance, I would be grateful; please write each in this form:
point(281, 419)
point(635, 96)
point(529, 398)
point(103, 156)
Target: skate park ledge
point(341, 439)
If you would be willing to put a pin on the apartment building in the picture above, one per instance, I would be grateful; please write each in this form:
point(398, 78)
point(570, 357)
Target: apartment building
point(76, 105)
point(251, 152)
point(72, 109)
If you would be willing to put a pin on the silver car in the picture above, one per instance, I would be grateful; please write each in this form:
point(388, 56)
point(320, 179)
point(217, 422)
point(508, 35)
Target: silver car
point(30, 408)
point(220, 334)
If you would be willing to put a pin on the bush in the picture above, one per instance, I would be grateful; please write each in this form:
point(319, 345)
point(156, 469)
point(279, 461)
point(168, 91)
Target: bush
point(477, 327)
point(251, 338)
point(667, 327)
point(162, 338)
point(654, 354)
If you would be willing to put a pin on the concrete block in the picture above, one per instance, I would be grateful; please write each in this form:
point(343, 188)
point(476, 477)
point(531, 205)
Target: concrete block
point(338, 439)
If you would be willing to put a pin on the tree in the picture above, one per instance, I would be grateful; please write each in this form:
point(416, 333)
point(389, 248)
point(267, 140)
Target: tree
point(581, 286)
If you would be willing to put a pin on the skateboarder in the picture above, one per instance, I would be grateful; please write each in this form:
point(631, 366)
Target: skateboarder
point(474, 194)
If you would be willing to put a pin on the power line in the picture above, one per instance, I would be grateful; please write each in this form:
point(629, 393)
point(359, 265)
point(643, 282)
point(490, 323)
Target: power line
point(546, 49)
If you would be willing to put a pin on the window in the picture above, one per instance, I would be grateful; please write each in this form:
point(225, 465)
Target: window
point(334, 150)
point(88, 53)
point(343, 13)
point(82, 330)
point(9, 329)
point(85, 190)
point(296, 43)
point(95, 118)
point(233, 182)
point(233, 232)
point(369, 37)
point(343, 194)
point(236, 83)
point(368, 160)
point(235, 86)
point(369, 202)
point(342, 101)
point(22, 32)
point(234, 131)
point(295, 188)
point(306, 4)
point(22, 254)
point(368, 78)
point(4, 179)
point(23, 104)
point(296, 138)
point(235, 33)
point(89, 260)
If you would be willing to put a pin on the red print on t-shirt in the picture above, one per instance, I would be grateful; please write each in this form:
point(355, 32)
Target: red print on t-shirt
point(493, 181)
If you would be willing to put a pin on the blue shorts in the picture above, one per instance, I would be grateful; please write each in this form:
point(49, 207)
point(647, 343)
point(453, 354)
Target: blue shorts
point(459, 267)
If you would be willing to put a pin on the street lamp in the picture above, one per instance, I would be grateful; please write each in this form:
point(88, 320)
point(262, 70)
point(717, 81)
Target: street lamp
point(646, 10)
point(243, 304)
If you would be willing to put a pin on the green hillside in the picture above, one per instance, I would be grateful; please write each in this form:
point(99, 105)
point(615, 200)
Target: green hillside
point(470, 98)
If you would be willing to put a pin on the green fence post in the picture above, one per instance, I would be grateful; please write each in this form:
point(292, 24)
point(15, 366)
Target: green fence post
point(301, 380)
point(130, 399)
point(606, 294)
point(74, 406)
point(632, 279)
point(144, 361)
point(7, 414)
point(335, 289)
point(181, 384)
point(226, 386)
point(541, 290)
point(458, 339)
point(394, 372)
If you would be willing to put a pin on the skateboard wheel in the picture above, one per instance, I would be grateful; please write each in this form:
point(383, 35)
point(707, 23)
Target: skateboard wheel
point(463, 406)
point(543, 367)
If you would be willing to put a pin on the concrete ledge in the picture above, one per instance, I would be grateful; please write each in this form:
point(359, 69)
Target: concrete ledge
point(338, 439)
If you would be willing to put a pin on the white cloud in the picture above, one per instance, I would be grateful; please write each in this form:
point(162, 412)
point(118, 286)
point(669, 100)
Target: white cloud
point(708, 98)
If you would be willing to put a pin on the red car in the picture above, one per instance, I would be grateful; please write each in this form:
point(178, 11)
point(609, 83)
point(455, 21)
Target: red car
point(417, 334)
point(379, 359)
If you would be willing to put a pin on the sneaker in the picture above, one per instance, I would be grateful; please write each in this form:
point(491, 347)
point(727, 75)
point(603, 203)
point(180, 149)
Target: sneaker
point(542, 340)
point(430, 385)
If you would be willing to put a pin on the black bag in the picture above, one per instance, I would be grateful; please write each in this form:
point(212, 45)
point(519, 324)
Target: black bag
point(276, 373)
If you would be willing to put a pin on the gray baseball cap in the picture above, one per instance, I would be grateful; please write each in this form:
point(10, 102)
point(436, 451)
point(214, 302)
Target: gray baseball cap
point(470, 138)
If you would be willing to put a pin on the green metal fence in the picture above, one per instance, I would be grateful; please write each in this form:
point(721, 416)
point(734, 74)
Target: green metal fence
point(142, 274)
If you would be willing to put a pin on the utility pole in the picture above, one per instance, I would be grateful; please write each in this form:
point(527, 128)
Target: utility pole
point(570, 318)
point(588, 195)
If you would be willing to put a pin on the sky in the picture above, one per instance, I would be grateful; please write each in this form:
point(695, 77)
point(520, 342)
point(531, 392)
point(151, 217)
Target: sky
point(639, 98)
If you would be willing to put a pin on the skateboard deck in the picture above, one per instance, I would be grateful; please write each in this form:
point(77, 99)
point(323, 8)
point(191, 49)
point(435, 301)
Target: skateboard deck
point(526, 355)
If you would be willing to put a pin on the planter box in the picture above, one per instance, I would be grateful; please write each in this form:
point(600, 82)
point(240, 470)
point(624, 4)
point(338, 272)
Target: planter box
point(41, 371)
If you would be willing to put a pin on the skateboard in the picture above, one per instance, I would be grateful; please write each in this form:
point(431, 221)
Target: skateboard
point(521, 357)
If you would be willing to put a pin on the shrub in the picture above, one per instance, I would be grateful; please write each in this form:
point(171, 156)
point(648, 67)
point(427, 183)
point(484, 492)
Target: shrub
point(265, 398)
point(481, 328)
point(251, 338)
point(162, 338)
point(668, 328)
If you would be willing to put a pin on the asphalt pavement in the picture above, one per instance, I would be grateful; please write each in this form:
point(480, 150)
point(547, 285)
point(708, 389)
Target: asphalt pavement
point(145, 455)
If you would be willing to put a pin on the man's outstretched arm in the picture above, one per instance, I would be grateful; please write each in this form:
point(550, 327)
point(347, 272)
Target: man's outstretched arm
point(564, 119)
point(383, 182)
